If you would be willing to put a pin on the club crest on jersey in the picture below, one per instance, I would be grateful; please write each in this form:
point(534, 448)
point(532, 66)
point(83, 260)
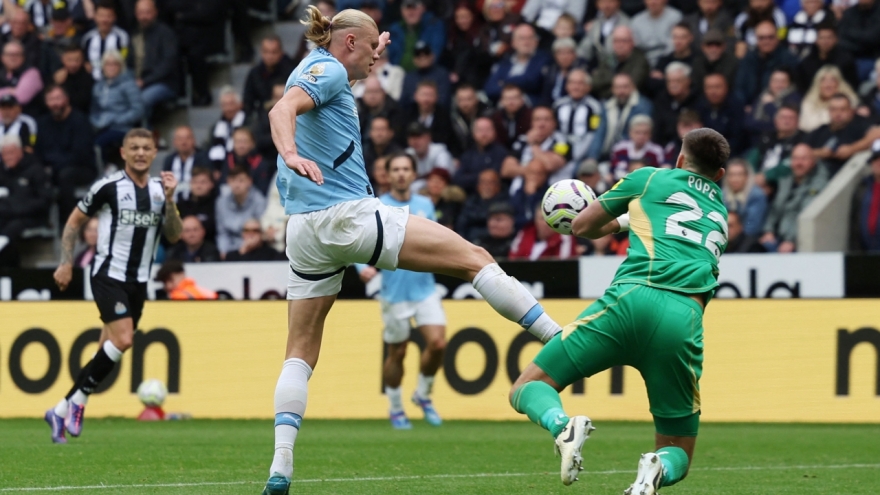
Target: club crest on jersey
point(139, 218)
point(308, 77)
point(120, 308)
point(158, 198)
point(317, 69)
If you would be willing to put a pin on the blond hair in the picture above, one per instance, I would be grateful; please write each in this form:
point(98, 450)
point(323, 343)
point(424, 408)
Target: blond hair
point(319, 29)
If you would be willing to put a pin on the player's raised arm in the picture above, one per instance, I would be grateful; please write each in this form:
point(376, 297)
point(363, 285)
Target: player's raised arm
point(173, 224)
point(594, 222)
point(282, 120)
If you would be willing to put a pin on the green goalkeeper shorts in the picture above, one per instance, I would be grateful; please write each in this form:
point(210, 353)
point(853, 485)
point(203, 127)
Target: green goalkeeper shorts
point(658, 332)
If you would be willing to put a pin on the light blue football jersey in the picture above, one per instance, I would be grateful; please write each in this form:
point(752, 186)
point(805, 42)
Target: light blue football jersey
point(404, 285)
point(329, 135)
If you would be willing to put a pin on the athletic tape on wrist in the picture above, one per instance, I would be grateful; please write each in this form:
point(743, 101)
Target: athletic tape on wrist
point(623, 220)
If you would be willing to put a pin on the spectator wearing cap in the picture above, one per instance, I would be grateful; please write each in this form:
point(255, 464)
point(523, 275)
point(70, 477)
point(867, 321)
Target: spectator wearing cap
point(652, 28)
point(746, 24)
point(637, 147)
point(374, 102)
point(859, 34)
point(66, 146)
point(153, 57)
point(676, 97)
point(471, 223)
point(564, 60)
point(201, 201)
point(253, 246)
point(723, 112)
point(429, 155)
point(485, 154)
point(427, 111)
point(12, 121)
point(416, 25)
point(523, 68)
point(500, 230)
point(625, 103)
point(105, 36)
point(116, 103)
point(193, 247)
point(17, 78)
point(426, 70)
point(380, 142)
point(624, 58)
point(772, 154)
point(36, 53)
point(755, 68)
point(274, 67)
point(184, 159)
point(597, 41)
point(865, 223)
point(25, 196)
point(803, 32)
point(825, 51)
point(780, 91)
point(62, 32)
point(845, 135)
point(447, 198)
point(75, 79)
point(540, 156)
point(232, 117)
point(467, 107)
point(580, 117)
point(178, 286)
point(242, 202)
point(714, 58)
point(513, 117)
point(709, 16)
point(537, 240)
point(588, 172)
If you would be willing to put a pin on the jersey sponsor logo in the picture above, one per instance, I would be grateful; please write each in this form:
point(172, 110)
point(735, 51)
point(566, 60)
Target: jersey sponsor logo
point(139, 218)
point(317, 69)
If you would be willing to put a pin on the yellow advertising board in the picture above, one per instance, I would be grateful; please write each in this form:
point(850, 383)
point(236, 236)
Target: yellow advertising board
point(769, 360)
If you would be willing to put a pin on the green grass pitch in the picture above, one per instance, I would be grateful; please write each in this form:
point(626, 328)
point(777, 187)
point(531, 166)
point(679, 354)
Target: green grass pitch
point(367, 457)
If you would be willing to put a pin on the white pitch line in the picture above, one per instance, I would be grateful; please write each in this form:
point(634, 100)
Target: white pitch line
point(423, 477)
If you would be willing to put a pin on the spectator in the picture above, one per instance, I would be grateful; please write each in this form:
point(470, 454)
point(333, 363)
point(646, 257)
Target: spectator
point(842, 137)
point(682, 50)
point(202, 201)
point(495, 36)
point(746, 25)
point(105, 36)
point(193, 247)
point(153, 57)
point(200, 27)
point(710, 17)
point(624, 58)
point(232, 117)
point(178, 286)
point(757, 65)
point(513, 117)
point(426, 70)
point(253, 247)
point(737, 240)
point(638, 147)
point(185, 158)
point(66, 147)
point(245, 154)
point(795, 193)
point(428, 112)
point(826, 83)
point(564, 60)
point(466, 109)
point(866, 209)
point(18, 79)
point(859, 34)
point(500, 230)
point(485, 154)
point(687, 121)
point(544, 14)
point(375, 103)
point(652, 28)
point(596, 44)
point(36, 53)
point(580, 117)
point(539, 156)
point(669, 104)
point(566, 27)
point(75, 79)
point(429, 155)
point(772, 156)
point(824, 52)
point(625, 103)
point(116, 104)
point(62, 32)
point(234, 208)
point(380, 142)
point(417, 25)
point(803, 33)
point(714, 58)
point(88, 237)
point(274, 67)
point(538, 241)
point(723, 112)
point(12, 121)
point(262, 129)
point(25, 195)
point(588, 173)
point(779, 92)
point(743, 197)
point(380, 180)
point(460, 56)
point(471, 223)
point(390, 78)
point(870, 106)
point(523, 68)
point(447, 199)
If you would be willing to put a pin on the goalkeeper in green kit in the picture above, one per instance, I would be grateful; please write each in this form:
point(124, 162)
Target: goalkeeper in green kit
point(651, 318)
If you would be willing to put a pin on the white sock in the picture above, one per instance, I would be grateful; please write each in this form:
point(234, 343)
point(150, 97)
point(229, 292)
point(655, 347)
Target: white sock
point(112, 352)
point(79, 398)
point(395, 398)
point(424, 386)
point(61, 408)
point(291, 396)
point(511, 300)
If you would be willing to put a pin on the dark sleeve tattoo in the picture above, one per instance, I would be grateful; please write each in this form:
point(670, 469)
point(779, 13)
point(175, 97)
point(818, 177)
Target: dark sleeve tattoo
point(68, 242)
point(173, 224)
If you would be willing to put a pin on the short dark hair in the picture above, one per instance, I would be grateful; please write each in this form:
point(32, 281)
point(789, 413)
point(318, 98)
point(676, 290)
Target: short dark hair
point(785, 70)
point(72, 49)
point(196, 171)
point(684, 25)
point(238, 170)
point(841, 96)
point(54, 87)
point(427, 82)
point(789, 106)
point(412, 161)
point(511, 87)
point(169, 268)
point(275, 39)
point(545, 107)
point(465, 86)
point(705, 150)
point(106, 4)
point(689, 116)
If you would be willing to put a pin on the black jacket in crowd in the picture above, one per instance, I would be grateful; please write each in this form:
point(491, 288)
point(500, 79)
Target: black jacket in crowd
point(66, 143)
point(160, 56)
point(25, 190)
point(259, 82)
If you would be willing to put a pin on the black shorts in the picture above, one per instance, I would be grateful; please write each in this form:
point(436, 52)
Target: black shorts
point(117, 300)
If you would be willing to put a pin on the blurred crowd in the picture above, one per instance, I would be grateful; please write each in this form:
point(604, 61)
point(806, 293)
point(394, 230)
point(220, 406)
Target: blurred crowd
point(495, 99)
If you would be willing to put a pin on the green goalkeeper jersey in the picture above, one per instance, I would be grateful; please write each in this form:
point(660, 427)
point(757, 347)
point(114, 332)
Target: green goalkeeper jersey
point(678, 229)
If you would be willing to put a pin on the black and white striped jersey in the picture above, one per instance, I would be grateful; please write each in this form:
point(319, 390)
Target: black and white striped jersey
point(579, 120)
point(95, 46)
point(25, 127)
point(129, 223)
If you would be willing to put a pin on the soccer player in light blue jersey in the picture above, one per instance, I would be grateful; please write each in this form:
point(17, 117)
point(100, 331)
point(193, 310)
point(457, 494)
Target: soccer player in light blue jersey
point(336, 220)
point(406, 296)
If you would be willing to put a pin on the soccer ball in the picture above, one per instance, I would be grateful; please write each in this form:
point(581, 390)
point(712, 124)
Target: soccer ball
point(563, 201)
point(152, 392)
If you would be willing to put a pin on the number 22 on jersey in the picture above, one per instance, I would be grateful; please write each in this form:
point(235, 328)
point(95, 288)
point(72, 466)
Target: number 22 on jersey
point(693, 213)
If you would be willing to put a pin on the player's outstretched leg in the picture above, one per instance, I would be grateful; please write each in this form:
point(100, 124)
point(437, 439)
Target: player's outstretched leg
point(431, 359)
point(666, 466)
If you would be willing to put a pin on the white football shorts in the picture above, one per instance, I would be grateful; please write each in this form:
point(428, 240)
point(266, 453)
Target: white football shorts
point(321, 244)
point(397, 316)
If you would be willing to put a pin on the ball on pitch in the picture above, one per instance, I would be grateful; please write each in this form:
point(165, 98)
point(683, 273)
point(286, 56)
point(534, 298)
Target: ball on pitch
point(563, 201)
point(152, 392)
